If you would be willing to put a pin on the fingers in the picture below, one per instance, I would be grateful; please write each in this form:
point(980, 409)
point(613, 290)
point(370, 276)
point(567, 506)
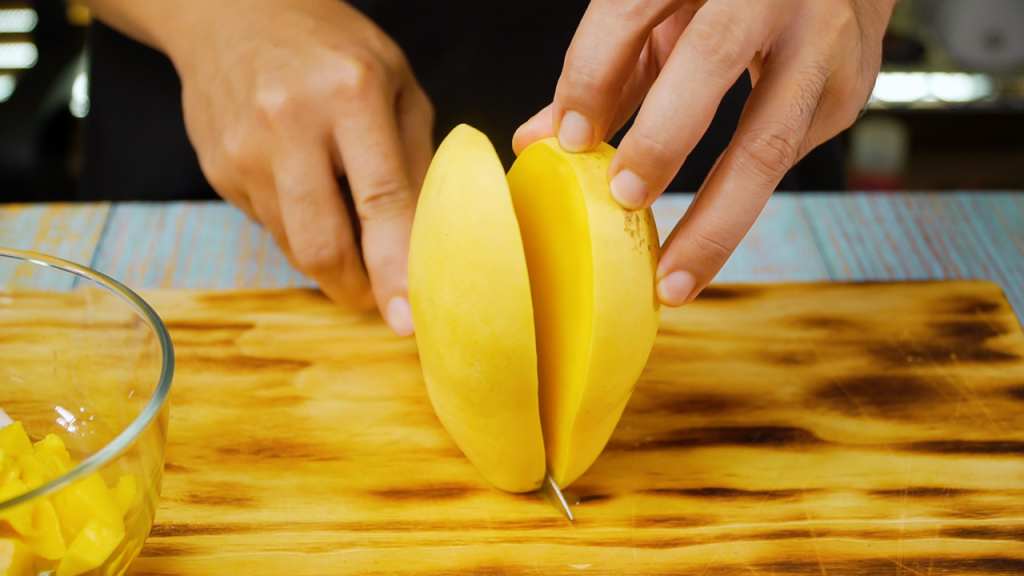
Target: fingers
point(716, 46)
point(770, 138)
point(374, 159)
point(416, 124)
point(652, 58)
point(536, 128)
point(601, 58)
point(316, 223)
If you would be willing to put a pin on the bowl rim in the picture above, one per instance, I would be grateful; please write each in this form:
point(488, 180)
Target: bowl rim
point(156, 402)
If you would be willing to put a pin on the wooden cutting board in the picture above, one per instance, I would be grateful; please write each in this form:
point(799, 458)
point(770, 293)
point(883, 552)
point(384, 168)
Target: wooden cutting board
point(786, 429)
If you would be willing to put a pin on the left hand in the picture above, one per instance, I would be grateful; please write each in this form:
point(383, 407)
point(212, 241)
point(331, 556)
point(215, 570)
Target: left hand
point(812, 63)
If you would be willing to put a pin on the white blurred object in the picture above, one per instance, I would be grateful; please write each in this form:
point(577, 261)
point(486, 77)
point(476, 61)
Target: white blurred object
point(907, 87)
point(5, 420)
point(982, 34)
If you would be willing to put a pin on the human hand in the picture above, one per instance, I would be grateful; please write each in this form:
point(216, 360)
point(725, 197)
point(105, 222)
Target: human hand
point(812, 63)
point(283, 97)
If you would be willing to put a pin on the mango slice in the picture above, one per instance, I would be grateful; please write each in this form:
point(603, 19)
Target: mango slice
point(588, 312)
point(47, 541)
point(470, 296)
point(15, 558)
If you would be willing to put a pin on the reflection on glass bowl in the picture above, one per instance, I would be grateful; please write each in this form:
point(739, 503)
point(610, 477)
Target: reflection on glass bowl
point(85, 372)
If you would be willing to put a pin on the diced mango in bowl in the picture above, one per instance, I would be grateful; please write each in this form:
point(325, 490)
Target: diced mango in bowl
point(74, 530)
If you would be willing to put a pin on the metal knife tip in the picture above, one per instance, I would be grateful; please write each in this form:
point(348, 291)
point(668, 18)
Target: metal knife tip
point(554, 495)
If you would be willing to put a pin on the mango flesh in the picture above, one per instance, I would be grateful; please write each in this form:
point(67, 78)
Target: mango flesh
point(589, 304)
point(75, 529)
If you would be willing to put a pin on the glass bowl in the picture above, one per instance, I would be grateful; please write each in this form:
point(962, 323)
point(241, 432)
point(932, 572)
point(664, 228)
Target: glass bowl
point(85, 371)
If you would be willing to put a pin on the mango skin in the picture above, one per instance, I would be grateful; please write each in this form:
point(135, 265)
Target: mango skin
point(470, 298)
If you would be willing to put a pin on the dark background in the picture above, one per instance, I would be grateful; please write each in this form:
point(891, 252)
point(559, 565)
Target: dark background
point(130, 151)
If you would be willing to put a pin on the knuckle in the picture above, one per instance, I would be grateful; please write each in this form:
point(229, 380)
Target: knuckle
point(238, 156)
point(276, 100)
point(771, 152)
point(316, 255)
point(710, 247)
point(384, 201)
point(358, 75)
point(720, 45)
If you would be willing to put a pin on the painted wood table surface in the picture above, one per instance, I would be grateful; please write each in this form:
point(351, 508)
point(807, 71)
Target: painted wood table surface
point(799, 238)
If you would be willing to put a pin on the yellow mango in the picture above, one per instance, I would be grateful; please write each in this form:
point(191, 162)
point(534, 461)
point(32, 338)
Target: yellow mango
point(48, 542)
point(470, 295)
point(124, 493)
point(15, 558)
point(84, 501)
point(14, 440)
point(9, 469)
point(19, 517)
point(589, 311)
point(96, 541)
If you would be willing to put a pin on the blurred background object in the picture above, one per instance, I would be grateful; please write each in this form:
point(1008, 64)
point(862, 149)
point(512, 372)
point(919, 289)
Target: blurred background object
point(947, 111)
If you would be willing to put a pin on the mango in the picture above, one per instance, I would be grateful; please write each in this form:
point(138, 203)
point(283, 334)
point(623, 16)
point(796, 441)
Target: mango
point(74, 530)
point(15, 558)
point(96, 541)
point(47, 542)
point(534, 302)
point(14, 440)
point(84, 501)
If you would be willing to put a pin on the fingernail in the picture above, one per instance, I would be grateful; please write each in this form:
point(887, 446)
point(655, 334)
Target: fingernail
point(675, 289)
point(629, 190)
point(575, 132)
point(399, 316)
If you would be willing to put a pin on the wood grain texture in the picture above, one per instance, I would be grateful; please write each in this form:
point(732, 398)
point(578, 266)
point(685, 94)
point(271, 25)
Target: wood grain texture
point(779, 248)
point(195, 245)
point(777, 429)
point(68, 231)
point(920, 236)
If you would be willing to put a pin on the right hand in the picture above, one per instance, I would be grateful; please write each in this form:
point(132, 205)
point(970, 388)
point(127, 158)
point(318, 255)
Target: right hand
point(283, 97)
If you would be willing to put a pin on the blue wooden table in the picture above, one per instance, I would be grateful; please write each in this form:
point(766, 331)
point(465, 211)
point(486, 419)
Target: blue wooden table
point(799, 238)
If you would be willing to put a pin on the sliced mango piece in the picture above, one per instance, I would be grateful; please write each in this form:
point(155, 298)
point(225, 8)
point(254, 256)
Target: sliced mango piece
point(15, 558)
point(84, 501)
point(14, 440)
point(470, 295)
point(52, 448)
point(47, 541)
point(9, 469)
point(19, 517)
point(124, 493)
point(592, 272)
point(568, 348)
point(95, 543)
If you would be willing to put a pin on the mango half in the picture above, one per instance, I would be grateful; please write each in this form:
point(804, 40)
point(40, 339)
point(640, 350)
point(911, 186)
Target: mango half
point(534, 303)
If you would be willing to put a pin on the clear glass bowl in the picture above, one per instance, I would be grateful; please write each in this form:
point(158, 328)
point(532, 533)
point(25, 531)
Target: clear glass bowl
point(85, 359)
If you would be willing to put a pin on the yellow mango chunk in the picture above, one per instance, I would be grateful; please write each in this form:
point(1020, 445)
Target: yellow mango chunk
point(48, 542)
point(15, 558)
point(562, 341)
point(14, 440)
point(9, 469)
point(19, 517)
point(124, 493)
point(84, 501)
point(52, 453)
point(95, 543)
point(464, 238)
